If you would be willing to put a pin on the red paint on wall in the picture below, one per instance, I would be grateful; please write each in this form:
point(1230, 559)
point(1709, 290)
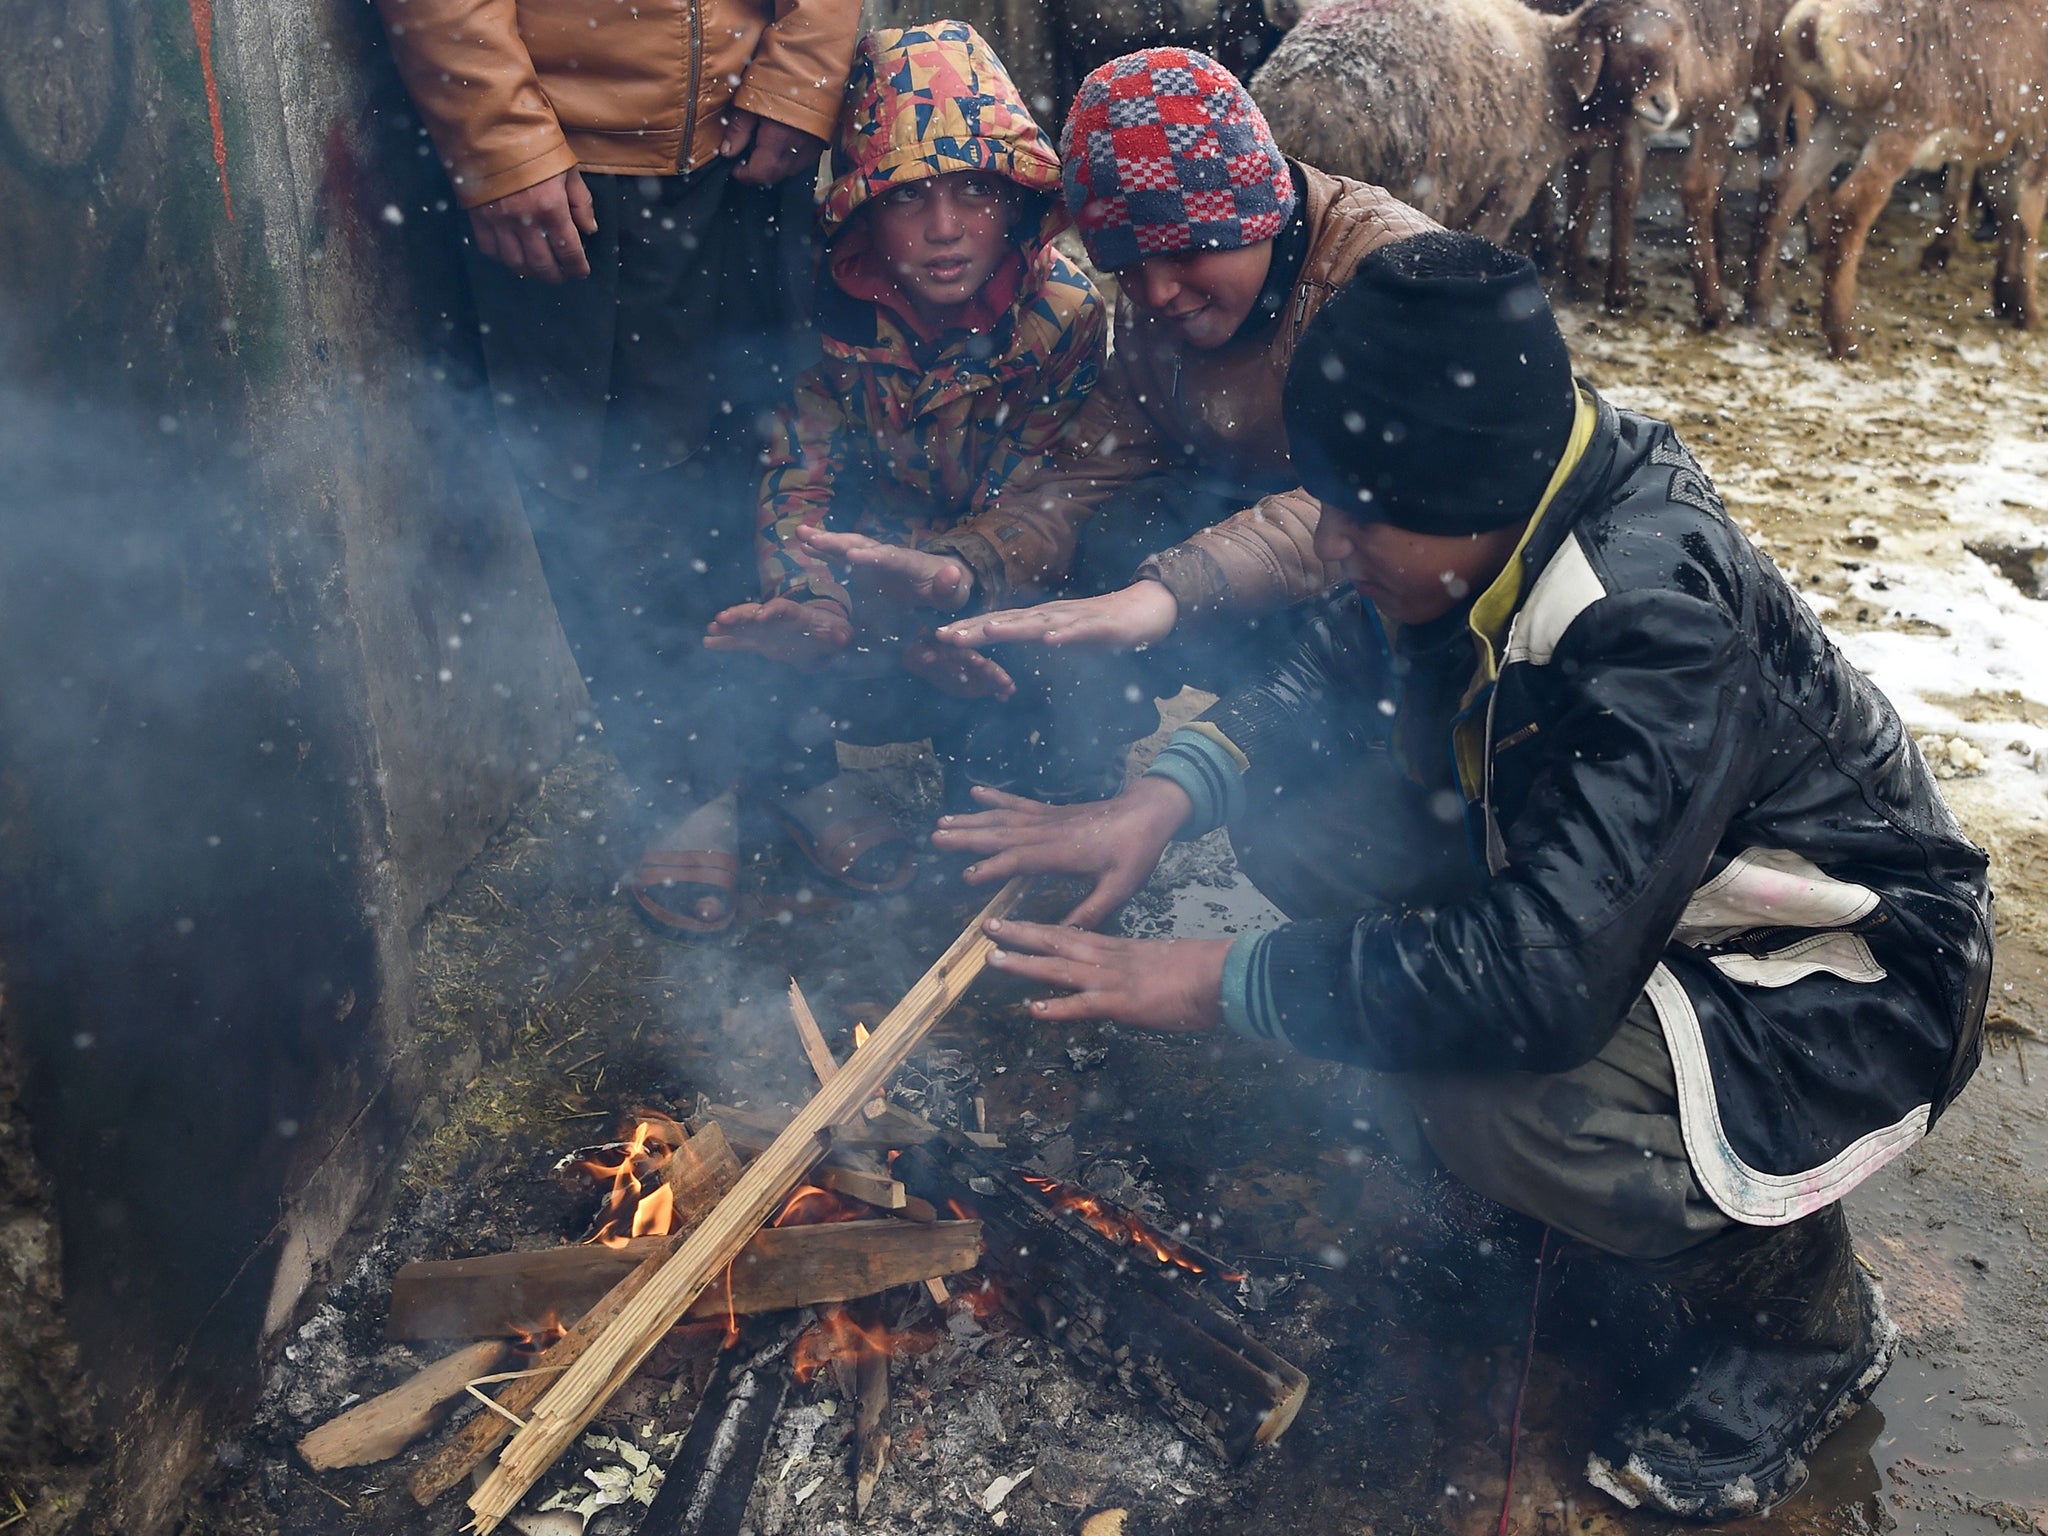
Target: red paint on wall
point(202, 33)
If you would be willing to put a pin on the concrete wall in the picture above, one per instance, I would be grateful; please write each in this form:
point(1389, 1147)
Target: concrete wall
point(277, 656)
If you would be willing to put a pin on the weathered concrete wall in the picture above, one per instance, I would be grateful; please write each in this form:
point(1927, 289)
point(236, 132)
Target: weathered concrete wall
point(277, 658)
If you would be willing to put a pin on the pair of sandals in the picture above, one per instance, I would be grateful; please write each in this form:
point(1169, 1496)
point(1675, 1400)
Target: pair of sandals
point(687, 882)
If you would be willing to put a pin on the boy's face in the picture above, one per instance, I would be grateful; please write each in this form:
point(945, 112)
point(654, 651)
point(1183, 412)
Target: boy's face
point(943, 238)
point(1412, 578)
point(1206, 295)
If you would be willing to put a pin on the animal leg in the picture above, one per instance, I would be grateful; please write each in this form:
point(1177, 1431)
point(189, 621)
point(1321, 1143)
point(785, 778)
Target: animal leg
point(2015, 282)
point(1626, 183)
point(1582, 206)
point(1957, 178)
point(1851, 211)
point(1801, 173)
point(1705, 166)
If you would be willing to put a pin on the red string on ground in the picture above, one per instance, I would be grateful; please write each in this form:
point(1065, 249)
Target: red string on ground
point(1507, 1495)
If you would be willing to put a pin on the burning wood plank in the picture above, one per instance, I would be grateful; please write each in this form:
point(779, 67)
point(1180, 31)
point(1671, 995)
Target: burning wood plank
point(610, 1360)
point(385, 1425)
point(871, 1441)
point(1108, 1307)
point(781, 1267)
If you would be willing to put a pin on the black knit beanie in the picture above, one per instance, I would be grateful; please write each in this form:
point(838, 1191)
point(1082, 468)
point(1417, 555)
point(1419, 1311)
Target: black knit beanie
point(1433, 391)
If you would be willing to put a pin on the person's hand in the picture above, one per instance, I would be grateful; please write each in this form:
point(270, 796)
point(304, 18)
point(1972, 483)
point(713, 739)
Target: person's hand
point(1117, 841)
point(774, 151)
point(913, 578)
point(1171, 984)
point(964, 674)
point(537, 231)
point(1141, 614)
point(803, 634)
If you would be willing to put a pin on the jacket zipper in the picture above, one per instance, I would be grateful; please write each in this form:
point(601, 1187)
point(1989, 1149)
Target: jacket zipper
point(696, 86)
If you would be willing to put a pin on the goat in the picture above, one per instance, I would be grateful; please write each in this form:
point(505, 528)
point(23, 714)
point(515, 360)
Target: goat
point(1672, 62)
point(1460, 107)
point(1901, 82)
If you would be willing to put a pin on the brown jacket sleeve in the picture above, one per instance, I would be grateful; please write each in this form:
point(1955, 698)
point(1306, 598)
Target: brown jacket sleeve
point(1254, 561)
point(473, 83)
point(798, 76)
point(1022, 543)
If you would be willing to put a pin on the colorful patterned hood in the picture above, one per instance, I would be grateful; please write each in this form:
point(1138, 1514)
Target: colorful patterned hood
point(925, 101)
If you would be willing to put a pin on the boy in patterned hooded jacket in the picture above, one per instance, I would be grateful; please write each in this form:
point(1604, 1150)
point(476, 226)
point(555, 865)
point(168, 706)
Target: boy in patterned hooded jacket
point(959, 344)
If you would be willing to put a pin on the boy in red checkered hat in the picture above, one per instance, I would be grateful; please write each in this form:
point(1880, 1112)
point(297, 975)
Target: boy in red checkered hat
point(1174, 497)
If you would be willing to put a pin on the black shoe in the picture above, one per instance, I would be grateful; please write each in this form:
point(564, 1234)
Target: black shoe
point(1792, 1337)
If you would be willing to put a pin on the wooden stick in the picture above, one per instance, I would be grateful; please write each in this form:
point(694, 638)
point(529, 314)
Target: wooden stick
point(753, 1131)
point(604, 1367)
point(780, 1267)
point(871, 1441)
point(822, 1060)
point(385, 1425)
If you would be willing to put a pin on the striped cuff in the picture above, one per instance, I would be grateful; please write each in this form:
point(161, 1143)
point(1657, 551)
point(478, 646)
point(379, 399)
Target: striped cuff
point(1247, 990)
point(1200, 763)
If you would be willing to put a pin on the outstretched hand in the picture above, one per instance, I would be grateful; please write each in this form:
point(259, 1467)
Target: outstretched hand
point(1116, 841)
point(803, 634)
point(964, 674)
point(1141, 614)
point(1170, 984)
point(912, 578)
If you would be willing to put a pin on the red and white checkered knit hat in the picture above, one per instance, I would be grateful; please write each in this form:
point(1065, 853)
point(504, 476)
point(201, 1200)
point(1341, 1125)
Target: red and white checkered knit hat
point(1165, 152)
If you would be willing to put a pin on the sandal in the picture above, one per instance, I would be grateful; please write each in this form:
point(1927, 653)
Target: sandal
point(695, 862)
point(844, 831)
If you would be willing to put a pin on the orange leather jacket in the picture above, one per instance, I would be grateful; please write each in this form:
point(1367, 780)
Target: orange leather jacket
point(516, 91)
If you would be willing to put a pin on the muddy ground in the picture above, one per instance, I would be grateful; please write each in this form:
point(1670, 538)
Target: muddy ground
point(1867, 482)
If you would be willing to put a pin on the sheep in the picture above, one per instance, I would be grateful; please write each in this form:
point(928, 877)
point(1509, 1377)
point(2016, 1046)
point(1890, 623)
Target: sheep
point(1697, 62)
point(1461, 107)
point(1901, 82)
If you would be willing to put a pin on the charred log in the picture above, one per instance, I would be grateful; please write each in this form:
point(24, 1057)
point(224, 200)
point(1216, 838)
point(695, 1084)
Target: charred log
point(1116, 1309)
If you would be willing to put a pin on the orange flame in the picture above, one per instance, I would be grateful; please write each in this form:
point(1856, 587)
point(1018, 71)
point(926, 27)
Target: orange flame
point(837, 1336)
point(537, 1338)
point(811, 1206)
point(1121, 1227)
point(640, 1203)
point(860, 1034)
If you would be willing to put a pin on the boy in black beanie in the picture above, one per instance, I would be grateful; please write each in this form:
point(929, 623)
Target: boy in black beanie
point(1714, 949)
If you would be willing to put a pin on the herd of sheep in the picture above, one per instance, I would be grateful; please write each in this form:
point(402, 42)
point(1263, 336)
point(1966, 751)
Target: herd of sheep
point(1468, 108)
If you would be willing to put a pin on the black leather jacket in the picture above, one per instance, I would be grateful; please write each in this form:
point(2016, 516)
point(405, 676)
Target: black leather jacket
point(1687, 791)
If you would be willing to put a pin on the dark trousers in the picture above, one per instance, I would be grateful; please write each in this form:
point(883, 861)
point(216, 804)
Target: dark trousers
point(1597, 1152)
point(634, 406)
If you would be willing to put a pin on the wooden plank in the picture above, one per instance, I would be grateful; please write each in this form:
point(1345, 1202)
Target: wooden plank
point(699, 1174)
point(605, 1367)
point(385, 1425)
point(823, 1062)
point(780, 1267)
point(877, 1189)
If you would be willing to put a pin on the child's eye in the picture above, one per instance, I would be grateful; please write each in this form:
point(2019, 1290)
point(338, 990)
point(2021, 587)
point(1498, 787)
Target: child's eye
point(903, 197)
point(983, 187)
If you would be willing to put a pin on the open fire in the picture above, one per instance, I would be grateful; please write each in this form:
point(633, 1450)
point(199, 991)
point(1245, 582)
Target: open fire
point(1123, 1228)
point(640, 1201)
